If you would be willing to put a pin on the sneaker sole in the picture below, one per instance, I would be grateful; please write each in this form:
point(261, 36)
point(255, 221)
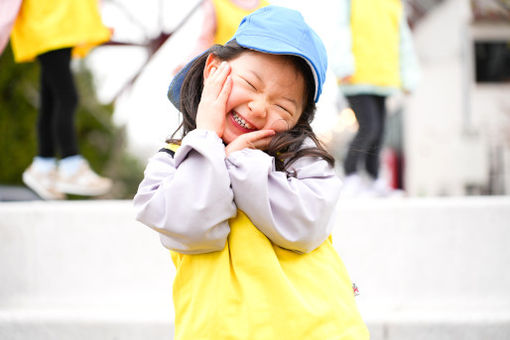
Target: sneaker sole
point(39, 190)
point(74, 190)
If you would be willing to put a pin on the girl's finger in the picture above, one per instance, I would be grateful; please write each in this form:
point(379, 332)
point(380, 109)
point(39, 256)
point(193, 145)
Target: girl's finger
point(225, 91)
point(262, 143)
point(216, 79)
point(259, 134)
point(260, 139)
point(256, 139)
point(252, 140)
point(224, 71)
point(219, 72)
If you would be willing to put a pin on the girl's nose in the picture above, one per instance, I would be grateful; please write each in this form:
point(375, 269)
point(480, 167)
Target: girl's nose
point(258, 107)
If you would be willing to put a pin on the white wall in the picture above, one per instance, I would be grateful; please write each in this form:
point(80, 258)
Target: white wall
point(438, 156)
point(452, 125)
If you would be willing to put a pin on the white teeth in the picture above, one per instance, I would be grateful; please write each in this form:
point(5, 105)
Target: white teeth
point(241, 121)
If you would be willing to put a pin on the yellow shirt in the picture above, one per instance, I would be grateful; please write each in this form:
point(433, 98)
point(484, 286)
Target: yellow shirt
point(46, 25)
point(253, 289)
point(375, 29)
point(228, 18)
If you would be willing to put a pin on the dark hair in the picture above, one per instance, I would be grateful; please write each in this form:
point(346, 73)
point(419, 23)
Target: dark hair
point(285, 146)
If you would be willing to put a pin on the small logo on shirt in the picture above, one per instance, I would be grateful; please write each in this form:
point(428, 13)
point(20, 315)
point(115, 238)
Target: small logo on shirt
point(355, 289)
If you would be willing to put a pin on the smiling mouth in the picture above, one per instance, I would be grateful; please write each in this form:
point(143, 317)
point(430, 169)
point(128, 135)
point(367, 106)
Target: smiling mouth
point(242, 123)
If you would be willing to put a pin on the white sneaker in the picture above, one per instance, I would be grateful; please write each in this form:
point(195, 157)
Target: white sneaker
point(383, 189)
point(84, 182)
point(42, 183)
point(353, 186)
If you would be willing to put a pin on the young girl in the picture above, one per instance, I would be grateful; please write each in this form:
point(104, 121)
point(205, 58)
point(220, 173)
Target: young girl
point(244, 200)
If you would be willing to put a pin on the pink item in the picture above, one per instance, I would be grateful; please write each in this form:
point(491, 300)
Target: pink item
point(8, 13)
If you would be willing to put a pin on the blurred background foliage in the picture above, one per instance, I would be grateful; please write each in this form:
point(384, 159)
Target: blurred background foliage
point(101, 142)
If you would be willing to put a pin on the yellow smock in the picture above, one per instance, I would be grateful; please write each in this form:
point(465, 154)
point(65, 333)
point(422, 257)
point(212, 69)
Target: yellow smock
point(47, 25)
point(253, 289)
point(228, 18)
point(375, 30)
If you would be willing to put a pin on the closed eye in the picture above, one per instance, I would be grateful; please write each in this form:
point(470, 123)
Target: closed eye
point(284, 109)
point(250, 84)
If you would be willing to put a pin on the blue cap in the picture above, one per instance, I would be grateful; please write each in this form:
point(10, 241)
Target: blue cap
point(274, 30)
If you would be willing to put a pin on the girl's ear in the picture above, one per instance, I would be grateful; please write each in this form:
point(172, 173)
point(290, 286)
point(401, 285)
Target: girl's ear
point(211, 61)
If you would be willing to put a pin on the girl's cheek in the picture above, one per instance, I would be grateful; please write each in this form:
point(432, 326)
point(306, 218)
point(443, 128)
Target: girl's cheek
point(279, 125)
point(237, 97)
point(237, 91)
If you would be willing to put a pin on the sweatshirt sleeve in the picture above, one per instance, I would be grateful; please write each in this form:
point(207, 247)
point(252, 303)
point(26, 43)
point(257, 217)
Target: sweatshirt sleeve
point(188, 198)
point(409, 65)
point(340, 43)
point(293, 212)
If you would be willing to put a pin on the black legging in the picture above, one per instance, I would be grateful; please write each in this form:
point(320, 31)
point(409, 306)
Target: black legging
point(55, 124)
point(370, 111)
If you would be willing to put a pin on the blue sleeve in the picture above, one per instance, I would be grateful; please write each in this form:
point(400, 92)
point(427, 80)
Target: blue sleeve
point(409, 67)
point(342, 59)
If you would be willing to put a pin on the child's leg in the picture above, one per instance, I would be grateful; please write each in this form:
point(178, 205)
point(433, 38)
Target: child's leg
point(59, 102)
point(365, 108)
point(374, 152)
point(45, 138)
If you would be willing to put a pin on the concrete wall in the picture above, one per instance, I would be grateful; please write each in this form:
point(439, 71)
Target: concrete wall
point(426, 269)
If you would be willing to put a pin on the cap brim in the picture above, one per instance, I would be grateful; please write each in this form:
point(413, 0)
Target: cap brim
point(174, 90)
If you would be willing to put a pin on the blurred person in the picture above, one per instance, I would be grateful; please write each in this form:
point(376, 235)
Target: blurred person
point(373, 58)
point(221, 18)
point(53, 31)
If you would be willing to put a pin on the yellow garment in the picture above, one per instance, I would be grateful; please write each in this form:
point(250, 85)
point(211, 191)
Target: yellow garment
point(253, 289)
point(375, 30)
point(46, 25)
point(228, 18)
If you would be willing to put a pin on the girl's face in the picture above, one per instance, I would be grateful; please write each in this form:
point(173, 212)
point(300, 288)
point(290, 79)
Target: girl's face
point(267, 93)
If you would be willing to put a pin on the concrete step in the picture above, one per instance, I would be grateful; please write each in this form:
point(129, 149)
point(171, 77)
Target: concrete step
point(429, 268)
point(82, 270)
point(426, 269)
point(103, 321)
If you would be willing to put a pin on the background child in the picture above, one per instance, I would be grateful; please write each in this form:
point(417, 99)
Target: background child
point(52, 32)
point(244, 200)
point(374, 58)
point(220, 21)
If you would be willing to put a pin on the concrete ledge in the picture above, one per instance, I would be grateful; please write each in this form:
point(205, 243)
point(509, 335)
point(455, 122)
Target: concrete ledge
point(83, 251)
point(84, 322)
point(429, 268)
point(416, 251)
point(426, 269)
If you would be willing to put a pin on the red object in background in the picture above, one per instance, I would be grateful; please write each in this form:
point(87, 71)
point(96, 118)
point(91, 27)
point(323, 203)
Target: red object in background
point(392, 161)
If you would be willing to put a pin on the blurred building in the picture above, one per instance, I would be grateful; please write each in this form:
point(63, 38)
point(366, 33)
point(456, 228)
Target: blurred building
point(457, 125)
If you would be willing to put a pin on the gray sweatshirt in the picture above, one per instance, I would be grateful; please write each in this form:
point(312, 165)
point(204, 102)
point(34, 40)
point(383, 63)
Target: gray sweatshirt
point(190, 197)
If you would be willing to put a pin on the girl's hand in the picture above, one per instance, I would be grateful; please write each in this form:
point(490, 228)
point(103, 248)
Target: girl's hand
point(211, 111)
point(344, 80)
point(252, 140)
